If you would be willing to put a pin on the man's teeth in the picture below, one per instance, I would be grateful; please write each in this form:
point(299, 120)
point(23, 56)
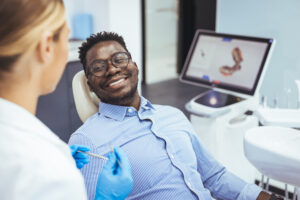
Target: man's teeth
point(114, 83)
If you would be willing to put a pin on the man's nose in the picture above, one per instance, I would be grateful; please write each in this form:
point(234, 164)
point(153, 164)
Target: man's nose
point(111, 69)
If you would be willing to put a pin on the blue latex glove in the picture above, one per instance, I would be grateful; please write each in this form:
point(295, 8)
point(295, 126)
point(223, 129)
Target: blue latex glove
point(115, 181)
point(80, 158)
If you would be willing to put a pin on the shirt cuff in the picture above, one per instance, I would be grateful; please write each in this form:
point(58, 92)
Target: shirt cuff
point(249, 192)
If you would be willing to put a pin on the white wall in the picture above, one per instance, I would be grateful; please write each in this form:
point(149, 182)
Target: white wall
point(98, 8)
point(161, 40)
point(269, 18)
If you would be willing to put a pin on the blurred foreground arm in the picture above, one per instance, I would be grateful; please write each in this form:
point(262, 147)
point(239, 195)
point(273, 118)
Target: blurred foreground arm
point(115, 180)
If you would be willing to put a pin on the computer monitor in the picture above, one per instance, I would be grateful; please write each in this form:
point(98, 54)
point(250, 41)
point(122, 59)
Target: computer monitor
point(226, 62)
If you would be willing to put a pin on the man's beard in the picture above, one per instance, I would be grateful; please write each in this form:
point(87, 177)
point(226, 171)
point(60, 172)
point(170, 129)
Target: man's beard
point(122, 101)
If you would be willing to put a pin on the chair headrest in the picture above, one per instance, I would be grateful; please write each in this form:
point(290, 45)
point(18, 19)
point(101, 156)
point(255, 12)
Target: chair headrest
point(86, 102)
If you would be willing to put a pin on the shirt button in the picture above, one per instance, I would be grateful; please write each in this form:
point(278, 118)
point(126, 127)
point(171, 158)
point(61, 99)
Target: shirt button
point(130, 110)
point(171, 156)
point(189, 184)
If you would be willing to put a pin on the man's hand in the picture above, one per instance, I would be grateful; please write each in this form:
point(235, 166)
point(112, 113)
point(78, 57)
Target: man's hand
point(115, 180)
point(80, 158)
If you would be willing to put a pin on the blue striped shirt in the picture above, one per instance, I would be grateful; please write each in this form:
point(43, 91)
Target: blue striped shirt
point(167, 159)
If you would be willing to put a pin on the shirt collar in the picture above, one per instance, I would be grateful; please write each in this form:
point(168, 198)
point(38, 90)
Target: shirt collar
point(146, 104)
point(112, 111)
point(119, 112)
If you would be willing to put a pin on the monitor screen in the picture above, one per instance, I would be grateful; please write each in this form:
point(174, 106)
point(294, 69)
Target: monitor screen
point(226, 61)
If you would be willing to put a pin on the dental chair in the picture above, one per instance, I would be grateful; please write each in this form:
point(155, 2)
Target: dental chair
point(86, 102)
point(275, 152)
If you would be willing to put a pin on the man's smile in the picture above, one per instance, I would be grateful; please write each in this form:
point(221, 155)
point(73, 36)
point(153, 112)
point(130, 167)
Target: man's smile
point(116, 83)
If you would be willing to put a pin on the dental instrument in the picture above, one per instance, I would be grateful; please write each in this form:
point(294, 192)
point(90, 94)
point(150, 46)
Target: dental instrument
point(94, 155)
point(112, 149)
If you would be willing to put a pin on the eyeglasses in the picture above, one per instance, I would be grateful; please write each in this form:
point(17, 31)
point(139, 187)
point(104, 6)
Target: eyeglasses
point(119, 60)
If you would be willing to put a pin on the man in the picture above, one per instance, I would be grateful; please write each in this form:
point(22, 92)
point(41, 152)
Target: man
point(167, 159)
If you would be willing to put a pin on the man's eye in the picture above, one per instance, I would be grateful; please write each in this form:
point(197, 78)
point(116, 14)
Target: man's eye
point(120, 60)
point(98, 68)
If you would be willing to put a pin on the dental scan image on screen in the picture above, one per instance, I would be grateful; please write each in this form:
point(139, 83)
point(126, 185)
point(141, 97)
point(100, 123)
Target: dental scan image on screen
point(229, 61)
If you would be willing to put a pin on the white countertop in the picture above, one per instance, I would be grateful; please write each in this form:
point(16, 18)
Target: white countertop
point(279, 117)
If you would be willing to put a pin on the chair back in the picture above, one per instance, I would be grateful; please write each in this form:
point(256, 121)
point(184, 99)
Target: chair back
point(86, 102)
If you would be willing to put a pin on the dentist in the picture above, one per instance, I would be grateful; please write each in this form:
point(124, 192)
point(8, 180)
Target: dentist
point(35, 163)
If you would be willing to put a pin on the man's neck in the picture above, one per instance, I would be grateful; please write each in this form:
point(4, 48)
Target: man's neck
point(134, 101)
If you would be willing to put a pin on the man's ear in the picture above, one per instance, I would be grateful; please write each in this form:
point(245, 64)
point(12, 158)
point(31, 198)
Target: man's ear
point(45, 48)
point(136, 65)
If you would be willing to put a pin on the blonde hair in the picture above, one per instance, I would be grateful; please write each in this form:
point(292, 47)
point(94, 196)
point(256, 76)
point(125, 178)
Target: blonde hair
point(23, 22)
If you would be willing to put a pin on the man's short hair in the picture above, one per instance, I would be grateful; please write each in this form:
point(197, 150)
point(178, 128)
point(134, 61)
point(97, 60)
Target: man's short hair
point(96, 38)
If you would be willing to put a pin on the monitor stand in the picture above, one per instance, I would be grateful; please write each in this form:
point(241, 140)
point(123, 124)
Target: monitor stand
point(212, 103)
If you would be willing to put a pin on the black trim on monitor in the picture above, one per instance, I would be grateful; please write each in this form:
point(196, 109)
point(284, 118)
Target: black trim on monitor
point(199, 81)
point(193, 15)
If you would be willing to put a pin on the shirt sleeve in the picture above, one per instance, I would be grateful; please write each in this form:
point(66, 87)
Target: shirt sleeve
point(91, 170)
point(221, 183)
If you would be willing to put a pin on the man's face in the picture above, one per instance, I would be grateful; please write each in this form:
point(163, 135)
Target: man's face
point(117, 85)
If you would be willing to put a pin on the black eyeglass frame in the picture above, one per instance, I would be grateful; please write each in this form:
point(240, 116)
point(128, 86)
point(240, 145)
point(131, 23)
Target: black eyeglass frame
point(111, 61)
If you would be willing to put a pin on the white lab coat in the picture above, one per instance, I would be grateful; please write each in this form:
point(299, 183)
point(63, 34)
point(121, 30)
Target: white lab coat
point(34, 163)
